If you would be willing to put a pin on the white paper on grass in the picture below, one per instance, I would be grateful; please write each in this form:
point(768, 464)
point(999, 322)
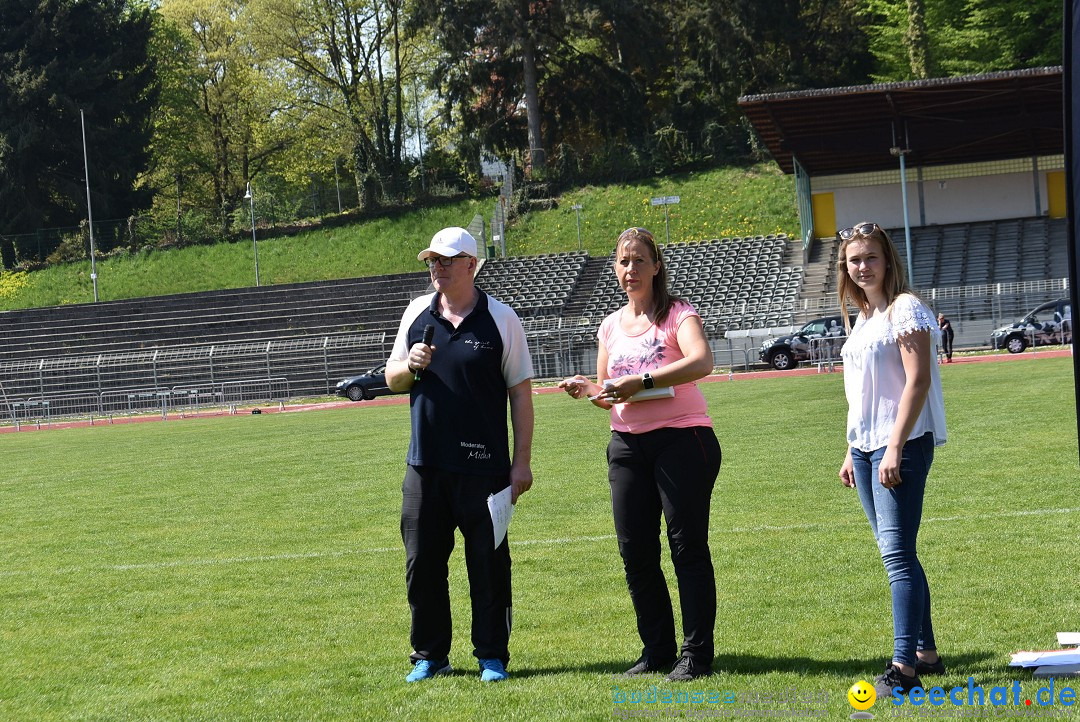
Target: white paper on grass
point(1048, 657)
point(1068, 638)
point(501, 509)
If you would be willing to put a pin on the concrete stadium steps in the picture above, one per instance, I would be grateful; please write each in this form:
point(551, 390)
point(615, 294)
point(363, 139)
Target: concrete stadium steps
point(594, 270)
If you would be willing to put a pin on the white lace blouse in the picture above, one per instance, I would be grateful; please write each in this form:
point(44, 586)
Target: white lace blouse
point(874, 375)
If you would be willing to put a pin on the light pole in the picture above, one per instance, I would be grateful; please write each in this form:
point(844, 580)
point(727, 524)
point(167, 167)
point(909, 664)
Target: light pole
point(337, 184)
point(251, 199)
point(419, 138)
point(89, 210)
point(577, 212)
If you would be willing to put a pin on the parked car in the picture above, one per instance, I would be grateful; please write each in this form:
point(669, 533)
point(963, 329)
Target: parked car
point(1050, 323)
point(787, 351)
point(366, 386)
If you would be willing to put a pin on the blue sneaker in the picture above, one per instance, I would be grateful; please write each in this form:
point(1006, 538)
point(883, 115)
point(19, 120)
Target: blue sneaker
point(426, 669)
point(492, 670)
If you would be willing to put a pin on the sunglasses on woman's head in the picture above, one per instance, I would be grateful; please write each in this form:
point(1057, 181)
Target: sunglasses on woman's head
point(863, 229)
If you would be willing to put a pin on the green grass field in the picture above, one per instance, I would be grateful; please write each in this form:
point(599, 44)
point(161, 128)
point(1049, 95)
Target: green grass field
point(250, 567)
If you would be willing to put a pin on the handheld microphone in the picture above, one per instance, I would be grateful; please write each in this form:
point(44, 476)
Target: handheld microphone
point(429, 333)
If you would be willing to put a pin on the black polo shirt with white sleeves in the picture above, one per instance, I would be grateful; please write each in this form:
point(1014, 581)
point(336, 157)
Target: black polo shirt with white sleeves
point(459, 405)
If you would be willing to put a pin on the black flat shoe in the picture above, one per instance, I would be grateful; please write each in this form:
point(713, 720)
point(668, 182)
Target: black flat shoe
point(689, 669)
point(647, 665)
point(892, 678)
point(922, 667)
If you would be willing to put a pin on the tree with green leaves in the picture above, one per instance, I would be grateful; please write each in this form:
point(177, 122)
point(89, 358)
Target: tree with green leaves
point(917, 40)
point(348, 62)
point(224, 115)
point(962, 37)
point(532, 76)
point(57, 58)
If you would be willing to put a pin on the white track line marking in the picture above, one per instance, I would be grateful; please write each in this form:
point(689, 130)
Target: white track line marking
point(224, 561)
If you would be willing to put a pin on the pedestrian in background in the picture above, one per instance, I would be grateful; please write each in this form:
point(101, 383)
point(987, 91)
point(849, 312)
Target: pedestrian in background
point(946, 336)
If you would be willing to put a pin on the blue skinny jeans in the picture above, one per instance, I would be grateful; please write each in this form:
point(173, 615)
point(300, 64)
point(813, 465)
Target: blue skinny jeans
point(894, 516)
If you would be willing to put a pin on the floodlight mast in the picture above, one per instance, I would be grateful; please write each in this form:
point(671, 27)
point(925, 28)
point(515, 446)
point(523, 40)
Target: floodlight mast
point(89, 210)
point(251, 199)
point(901, 152)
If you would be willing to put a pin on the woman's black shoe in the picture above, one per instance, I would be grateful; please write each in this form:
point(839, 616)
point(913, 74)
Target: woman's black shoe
point(892, 678)
point(922, 667)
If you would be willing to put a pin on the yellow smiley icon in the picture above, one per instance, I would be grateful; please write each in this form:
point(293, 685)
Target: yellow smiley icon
point(861, 695)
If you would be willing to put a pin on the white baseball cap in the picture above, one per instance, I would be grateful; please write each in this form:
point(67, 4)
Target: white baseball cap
point(450, 242)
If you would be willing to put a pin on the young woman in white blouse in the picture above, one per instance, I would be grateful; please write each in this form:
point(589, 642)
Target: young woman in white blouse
point(896, 417)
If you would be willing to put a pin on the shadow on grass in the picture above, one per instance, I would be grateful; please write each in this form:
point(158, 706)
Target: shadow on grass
point(749, 665)
point(959, 665)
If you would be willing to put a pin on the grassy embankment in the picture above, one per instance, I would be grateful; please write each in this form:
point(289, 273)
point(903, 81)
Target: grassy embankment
point(734, 201)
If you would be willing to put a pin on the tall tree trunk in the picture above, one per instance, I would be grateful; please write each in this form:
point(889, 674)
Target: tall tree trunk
point(399, 111)
point(532, 101)
point(917, 40)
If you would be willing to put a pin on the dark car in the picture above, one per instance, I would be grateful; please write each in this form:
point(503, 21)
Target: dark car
point(787, 351)
point(367, 385)
point(1050, 323)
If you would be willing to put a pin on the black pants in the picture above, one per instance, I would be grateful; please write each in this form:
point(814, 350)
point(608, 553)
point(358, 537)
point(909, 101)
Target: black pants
point(434, 503)
point(946, 344)
point(669, 471)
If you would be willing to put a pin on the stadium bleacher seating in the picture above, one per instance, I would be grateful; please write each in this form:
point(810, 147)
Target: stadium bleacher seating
point(533, 285)
point(971, 254)
point(732, 282)
point(735, 283)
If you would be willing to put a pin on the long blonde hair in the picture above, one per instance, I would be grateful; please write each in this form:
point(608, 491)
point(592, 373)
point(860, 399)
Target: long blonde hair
point(662, 298)
point(894, 283)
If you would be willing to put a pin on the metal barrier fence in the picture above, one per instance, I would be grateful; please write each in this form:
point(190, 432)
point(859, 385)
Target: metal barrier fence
point(172, 379)
point(131, 402)
point(183, 377)
point(825, 352)
point(975, 311)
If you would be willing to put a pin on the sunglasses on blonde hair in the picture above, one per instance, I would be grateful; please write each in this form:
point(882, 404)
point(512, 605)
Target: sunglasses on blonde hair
point(863, 229)
point(635, 232)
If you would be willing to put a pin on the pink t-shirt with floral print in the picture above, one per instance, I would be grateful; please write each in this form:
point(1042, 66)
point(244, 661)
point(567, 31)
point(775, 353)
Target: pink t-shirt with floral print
point(649, 350)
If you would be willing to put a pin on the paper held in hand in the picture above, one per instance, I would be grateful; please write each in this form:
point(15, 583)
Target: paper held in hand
point(660, 392)
point(501, 509)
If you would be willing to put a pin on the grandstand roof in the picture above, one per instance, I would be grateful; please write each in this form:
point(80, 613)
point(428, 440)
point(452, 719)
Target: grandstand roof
point(994, 116)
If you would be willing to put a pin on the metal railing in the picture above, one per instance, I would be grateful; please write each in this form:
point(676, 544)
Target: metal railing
point(192, 375)
point(147, 400)
point(200, 376)
point(825, 352)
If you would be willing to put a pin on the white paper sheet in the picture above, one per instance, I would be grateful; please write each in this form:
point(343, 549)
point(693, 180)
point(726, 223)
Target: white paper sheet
point(1048, 657)
point(501, 510)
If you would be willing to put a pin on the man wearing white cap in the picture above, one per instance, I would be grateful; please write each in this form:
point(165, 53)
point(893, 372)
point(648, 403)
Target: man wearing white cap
point(462, 355)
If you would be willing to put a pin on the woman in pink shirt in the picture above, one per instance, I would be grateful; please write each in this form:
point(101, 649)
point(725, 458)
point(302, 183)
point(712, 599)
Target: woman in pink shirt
point(663, 457)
